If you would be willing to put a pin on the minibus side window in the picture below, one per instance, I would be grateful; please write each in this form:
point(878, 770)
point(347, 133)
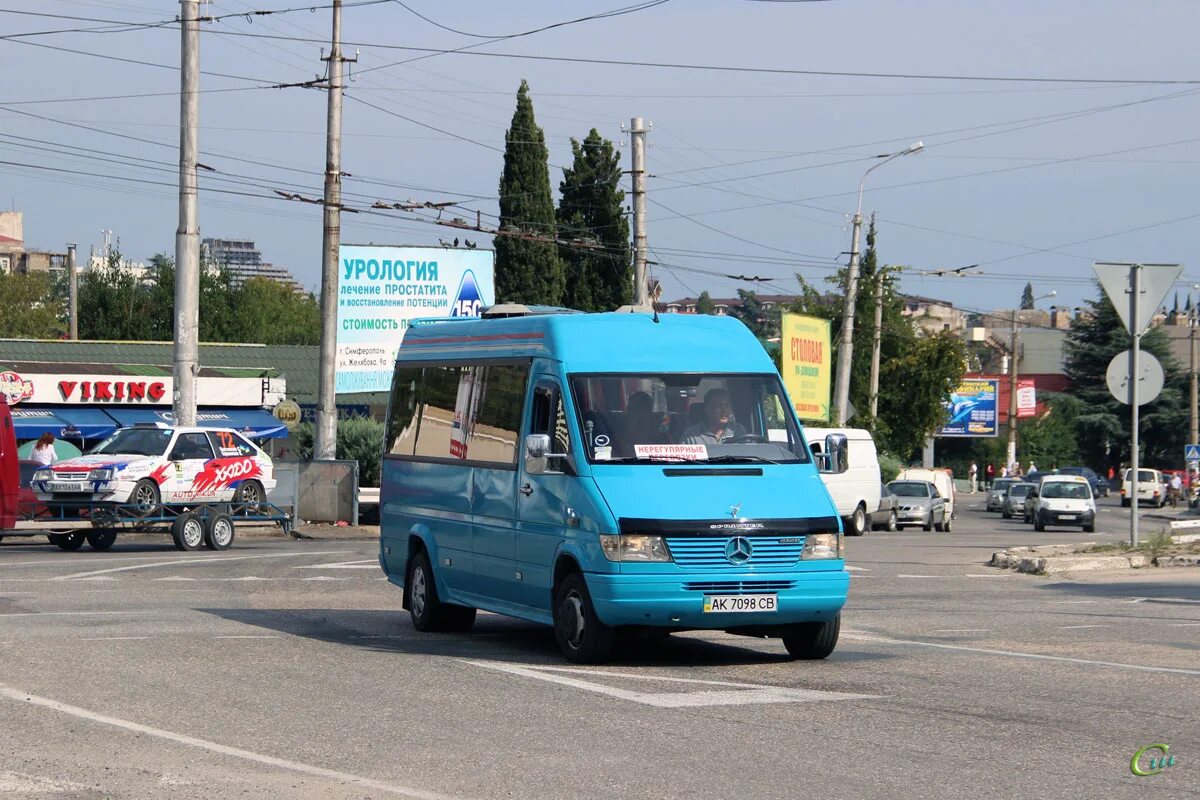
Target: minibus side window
point(497, 413)
point(548, 416)
point(402, 411)
point(435, 419)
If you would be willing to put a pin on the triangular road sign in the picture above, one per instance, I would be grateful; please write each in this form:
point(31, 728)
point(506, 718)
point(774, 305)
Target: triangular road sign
point(1154, 283)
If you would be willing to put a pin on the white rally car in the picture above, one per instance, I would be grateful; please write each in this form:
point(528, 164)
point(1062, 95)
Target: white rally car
point(149, 465)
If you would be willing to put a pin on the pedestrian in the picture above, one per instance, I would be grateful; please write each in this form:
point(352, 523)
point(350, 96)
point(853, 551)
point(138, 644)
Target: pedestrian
point(1032, 467)
point(973, 474)
point(1176, 489)
point(991, 475)
point(1004, 471)
point(43, 451)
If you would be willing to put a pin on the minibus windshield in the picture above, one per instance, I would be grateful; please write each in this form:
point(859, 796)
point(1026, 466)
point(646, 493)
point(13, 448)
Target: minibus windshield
point(671, 418)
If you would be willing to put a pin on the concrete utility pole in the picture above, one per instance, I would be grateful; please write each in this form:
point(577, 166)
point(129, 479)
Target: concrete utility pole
point(1013, 358)
point(880, 277)
point(1193, 405)
point(637, 149)
point(846, 348)
point(325, 446)
point(73, 295)
point(1135, 290)
point(187, 235)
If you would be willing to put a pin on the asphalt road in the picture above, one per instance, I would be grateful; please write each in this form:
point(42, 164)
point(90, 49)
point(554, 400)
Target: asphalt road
point(285, 668)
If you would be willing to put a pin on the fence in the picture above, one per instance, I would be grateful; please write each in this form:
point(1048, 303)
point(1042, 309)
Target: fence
point(317, 491)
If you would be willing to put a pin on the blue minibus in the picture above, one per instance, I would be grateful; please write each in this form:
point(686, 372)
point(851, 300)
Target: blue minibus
point(605, 474)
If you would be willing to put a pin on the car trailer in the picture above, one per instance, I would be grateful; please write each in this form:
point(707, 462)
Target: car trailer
point(190, 525)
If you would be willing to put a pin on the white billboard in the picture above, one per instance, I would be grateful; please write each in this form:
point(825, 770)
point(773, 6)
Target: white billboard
point(382, 288)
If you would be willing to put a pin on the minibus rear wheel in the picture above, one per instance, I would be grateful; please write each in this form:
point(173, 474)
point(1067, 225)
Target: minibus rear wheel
point(582, 636)
point(429, 614)
point(811, 641)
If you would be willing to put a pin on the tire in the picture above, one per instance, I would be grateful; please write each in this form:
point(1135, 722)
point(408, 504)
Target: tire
point(1039, 524)
point(939, 526)
point(1124, 502)
point(145, 498)
point(892, 524)
point(1006, 514)
point(429, 614)
point(250, 496)
point(218, 532)
point(811, 641)
point(856, 523)
point(187, 531)
point(928, 526)
point(101, 538)
point(946, 525)
point(67, 541)
point(582, 637)
point(1089, 528)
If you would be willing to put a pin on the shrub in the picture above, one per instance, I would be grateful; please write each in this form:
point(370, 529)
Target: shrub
point(358, 439)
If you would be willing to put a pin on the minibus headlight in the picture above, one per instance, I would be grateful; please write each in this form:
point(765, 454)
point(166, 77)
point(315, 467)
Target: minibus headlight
point(43, 475)
point(822, 545)
point(634, 547)
point(102, 474)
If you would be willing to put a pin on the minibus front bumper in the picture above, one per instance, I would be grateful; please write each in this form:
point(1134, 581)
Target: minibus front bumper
point(678, 600)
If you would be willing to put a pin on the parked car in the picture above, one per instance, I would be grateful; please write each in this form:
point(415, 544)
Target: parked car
point(943, 479)
point(1014, 499)
point(887, 516)
point(1152, 489)
point(1061, 499)
point(148, 465)
point(920, 503)
point(995, 495)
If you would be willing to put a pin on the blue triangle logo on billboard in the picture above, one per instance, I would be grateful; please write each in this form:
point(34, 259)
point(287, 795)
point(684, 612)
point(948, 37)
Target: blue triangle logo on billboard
point(468, 302)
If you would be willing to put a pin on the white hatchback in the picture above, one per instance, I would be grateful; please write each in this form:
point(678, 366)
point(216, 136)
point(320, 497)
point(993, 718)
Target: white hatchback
point(147, 466)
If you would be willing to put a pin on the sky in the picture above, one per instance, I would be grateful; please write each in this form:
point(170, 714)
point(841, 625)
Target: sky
point(1080, 147)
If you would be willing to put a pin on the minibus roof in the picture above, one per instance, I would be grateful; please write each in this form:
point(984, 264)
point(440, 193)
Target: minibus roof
point(605, 342)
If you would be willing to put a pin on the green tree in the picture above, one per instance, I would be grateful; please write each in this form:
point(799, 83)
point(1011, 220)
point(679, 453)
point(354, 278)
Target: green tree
point(917, 384)
point(528, 269)
point(704, 304)
point(1102, 427)
point(1052, 439)
point(30, 307)
point(598, 274)
point(268, 312)
point(750, 311)
point(1027, 297)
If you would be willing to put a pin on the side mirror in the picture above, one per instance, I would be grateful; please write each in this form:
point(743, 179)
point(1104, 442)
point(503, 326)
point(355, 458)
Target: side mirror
point(836, 453)
point(537, 449)
point(538, 455)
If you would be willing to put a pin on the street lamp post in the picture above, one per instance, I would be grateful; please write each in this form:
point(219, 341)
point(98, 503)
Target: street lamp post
point(846, 348)
point(1012, 386)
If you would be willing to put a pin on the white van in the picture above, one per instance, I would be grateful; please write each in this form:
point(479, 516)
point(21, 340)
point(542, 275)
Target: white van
point(850, 469)
point(943, 480)
point(1151, 489)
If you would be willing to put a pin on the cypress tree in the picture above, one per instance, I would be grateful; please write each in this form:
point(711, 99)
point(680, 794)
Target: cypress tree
point(527, 270)
point(598, 272)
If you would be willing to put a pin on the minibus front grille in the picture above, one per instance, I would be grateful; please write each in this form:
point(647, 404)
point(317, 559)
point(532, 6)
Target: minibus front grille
point(767, 552)
point(745, 587)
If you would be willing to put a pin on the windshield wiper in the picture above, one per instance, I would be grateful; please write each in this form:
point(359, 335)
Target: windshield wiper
point(655, 460)
point(739, 459)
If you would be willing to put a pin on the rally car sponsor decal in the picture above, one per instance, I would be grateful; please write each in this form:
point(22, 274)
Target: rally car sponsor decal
point(222, 473)
point(161, 474)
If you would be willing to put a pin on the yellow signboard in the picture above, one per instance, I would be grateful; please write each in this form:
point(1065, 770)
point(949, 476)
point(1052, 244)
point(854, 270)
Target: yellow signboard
point(807, 366)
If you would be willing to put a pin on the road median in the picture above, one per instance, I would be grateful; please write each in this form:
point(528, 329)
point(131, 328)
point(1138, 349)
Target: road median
point(1162, 549)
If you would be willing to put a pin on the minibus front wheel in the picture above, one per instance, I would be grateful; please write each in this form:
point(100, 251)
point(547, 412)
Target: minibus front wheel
point(813, 640)
point(582, 636)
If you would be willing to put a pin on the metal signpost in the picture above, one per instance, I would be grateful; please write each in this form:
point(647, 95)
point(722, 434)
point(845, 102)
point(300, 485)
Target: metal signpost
point(1135, 291)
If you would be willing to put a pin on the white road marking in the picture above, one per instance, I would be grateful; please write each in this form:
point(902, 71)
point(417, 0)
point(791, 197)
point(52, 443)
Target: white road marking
point(1018, 654)
point(325, 578)
point(116, 638)
point(962, 630)
point(1183, 624)
point(215, 747)
point(366, 563)
point(196, 560)
point(249, 636)
point(1077, 627)
point(857, 569)
point(168, 578)
point(73, 614)
point(730, 694)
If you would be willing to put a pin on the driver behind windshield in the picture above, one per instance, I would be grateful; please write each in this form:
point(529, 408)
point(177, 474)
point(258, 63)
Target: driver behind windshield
point(718, 424)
